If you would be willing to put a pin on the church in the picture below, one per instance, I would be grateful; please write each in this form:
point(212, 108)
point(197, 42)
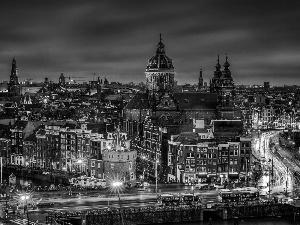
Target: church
point(14, 85)
point(171, 107)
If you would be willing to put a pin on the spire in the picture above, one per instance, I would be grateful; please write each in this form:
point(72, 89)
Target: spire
point(218, 66)
point(160, 46)
point(14, 73)
point(226, 64)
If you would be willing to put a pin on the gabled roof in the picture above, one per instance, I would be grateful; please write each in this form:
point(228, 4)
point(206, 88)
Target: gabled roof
point(31, 137)
point(139, 101)
point(227, 126)
point(196, 100)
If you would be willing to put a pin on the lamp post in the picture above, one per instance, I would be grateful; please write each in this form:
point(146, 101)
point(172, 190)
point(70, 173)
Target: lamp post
point(24, 198)
point(117, 185)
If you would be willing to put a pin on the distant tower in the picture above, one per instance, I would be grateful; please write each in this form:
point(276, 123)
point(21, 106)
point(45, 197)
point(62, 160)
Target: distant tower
point(46, 82)
point(99, 89)
point(106, 81)
point(200, 83)
point(62, 79)
point(223, 84)
point(226, 88)
point(160, 72)
point(14, 85)
point(266, 86)
point(217, 75)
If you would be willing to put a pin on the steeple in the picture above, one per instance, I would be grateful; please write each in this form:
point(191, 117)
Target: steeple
point(226, 64)
point(160, 46)
point(14, 73)
point(218, 66)
point(200, 83)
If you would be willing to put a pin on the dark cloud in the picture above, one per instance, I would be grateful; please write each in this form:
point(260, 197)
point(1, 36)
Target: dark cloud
point(116, 38)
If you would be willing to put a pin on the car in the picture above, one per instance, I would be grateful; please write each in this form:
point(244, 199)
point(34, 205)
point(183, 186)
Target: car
point(44, 203)
point(146, 184)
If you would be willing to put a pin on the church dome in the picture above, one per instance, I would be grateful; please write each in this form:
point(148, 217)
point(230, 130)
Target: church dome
point(160, 60)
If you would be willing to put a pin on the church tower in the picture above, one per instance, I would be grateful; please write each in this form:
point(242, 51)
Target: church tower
point(200, 82)
point(62, 80)
point(159, 73)
point(226, 88)
point(14, 85)
point(223, 84)
point(99, 89)
point(214, 82)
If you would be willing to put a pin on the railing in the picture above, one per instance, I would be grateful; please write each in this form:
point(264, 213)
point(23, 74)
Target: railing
point(178, 214)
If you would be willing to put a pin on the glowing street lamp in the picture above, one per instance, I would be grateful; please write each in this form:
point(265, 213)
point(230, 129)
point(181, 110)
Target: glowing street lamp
point(25, 198)
point(117, 186)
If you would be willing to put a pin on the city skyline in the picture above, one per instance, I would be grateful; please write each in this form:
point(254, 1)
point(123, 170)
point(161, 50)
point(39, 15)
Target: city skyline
point(116, 39)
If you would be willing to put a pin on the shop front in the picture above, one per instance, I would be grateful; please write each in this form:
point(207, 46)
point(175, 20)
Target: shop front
point(202, 178)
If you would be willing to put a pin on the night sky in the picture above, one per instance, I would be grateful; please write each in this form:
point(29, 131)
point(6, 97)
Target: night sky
point(117, 38)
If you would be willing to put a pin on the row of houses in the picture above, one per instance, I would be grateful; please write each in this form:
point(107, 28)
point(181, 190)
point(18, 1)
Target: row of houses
point(96, 150)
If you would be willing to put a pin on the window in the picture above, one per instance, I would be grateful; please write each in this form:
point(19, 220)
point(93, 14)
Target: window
point(132, 176)
point(235, 152)
point(93, 164)
point(99, 165)
point(130, 166)
point(93, 172)
point(187, 168)
point(112, 166)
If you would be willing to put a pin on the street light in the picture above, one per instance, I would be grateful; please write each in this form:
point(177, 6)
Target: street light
point(25, 198)
point(117, 186)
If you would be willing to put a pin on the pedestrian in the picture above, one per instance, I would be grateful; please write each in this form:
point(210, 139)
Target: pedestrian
point(210, 221)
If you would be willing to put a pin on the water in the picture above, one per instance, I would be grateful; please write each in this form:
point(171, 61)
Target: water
point(248, 221)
